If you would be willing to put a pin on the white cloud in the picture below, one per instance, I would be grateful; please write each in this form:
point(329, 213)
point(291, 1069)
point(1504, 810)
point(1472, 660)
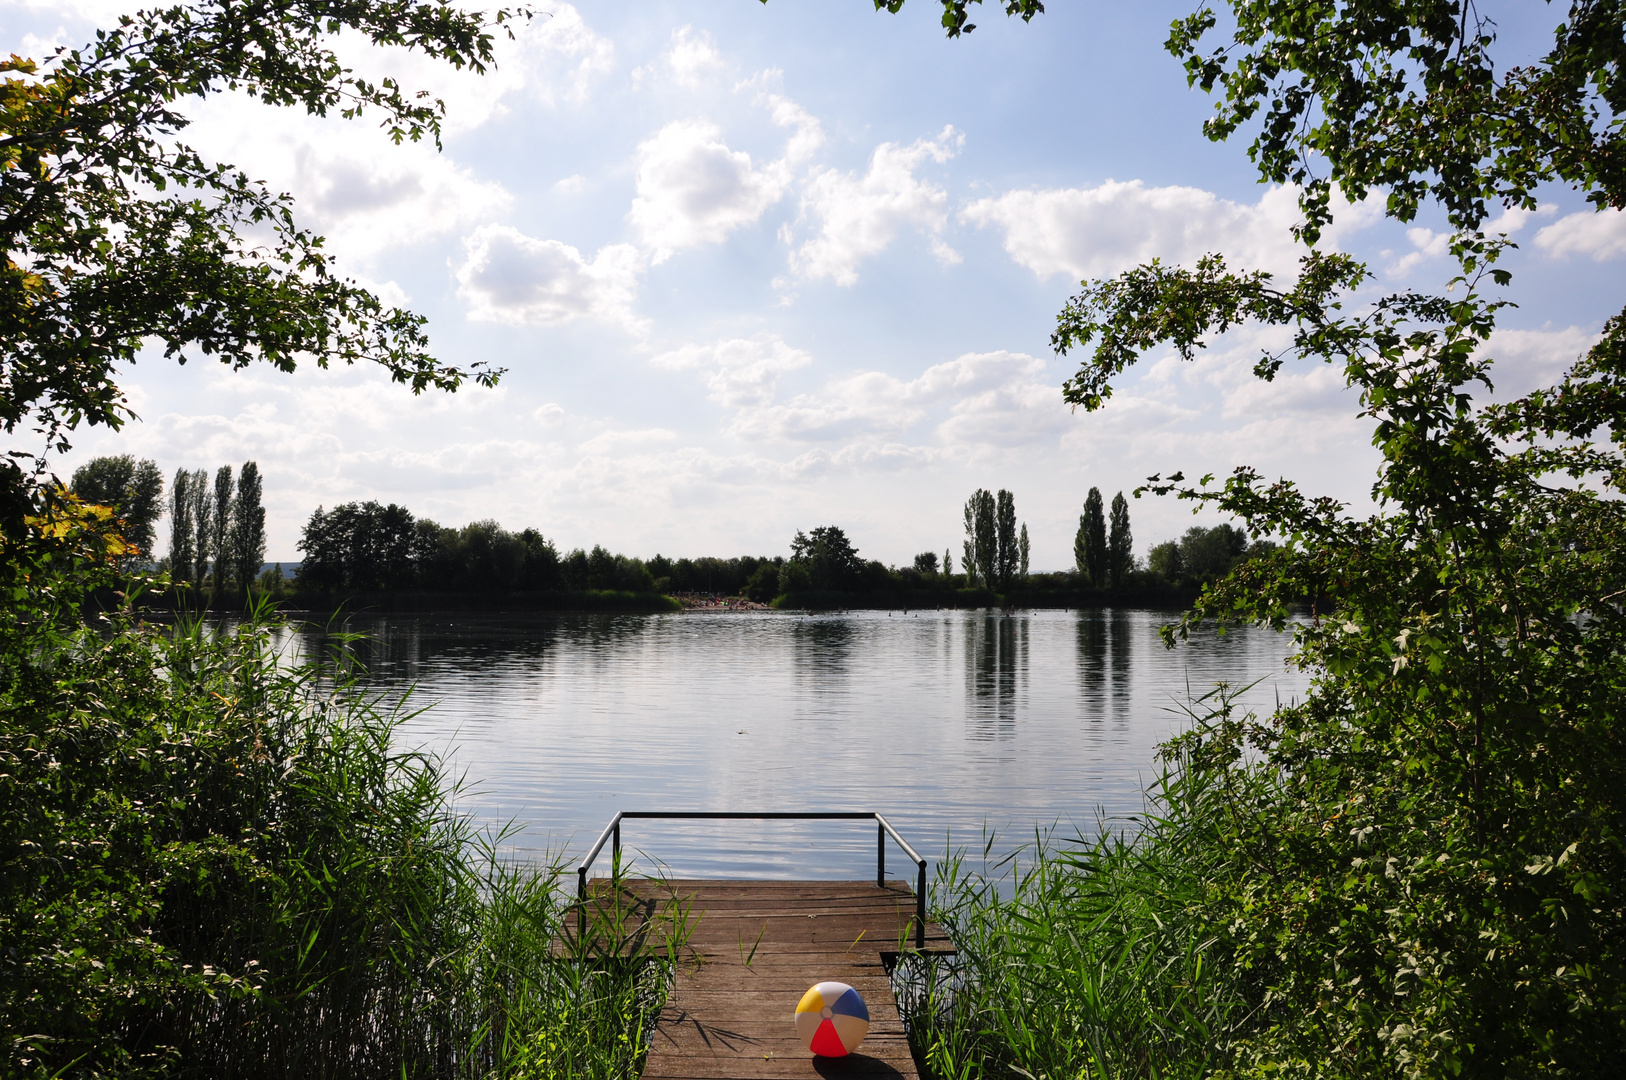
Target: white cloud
point(859, 216)
point(991, 399)
point(367, 195)
point(1100, 231)
point(692, 189)
point(570, 185)
point(1598, 235)
point(1527, 359)
point(614, 440)
point(692, 55)
point(808, 135)
point(739, 372)
point(554, 57)
point(509, 277)
point(1428, 244)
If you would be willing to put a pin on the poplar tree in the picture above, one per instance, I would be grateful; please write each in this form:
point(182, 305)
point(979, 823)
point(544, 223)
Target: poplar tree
point(247, 528)
point(181, 539)
point(203, 527)
point(1022, 549)
point(1120, 544)
point(220, 539)
point(981, 539)
point(1006, 557)
point(1090, 544)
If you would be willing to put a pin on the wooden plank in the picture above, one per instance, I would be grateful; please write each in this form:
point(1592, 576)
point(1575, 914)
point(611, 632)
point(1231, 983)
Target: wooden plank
point(726, 1019)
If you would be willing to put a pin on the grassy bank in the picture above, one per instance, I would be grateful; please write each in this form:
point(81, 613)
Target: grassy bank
point(214, 863)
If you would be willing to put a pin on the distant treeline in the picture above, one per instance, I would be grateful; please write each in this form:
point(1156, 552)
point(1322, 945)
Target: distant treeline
point(384, 556)
point(373, 551)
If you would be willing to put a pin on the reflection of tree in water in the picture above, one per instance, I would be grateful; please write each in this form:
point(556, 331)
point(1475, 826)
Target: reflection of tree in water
point(1105, 654)
point(996, 672)
point(823, 651)
point(402, 649)
point(1092, 670)
point(1120, 626)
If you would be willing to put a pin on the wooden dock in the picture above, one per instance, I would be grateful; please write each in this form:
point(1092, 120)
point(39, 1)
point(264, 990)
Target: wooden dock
point(752, 949)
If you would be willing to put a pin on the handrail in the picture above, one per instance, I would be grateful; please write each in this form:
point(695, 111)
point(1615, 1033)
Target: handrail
point(883, 829)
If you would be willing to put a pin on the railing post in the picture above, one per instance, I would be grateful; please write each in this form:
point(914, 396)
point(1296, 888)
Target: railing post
point(920, 907)
point(615, 847)
point(880, 855)
point(581, 904)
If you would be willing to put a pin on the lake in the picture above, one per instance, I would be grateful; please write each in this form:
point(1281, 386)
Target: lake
point(947, 722)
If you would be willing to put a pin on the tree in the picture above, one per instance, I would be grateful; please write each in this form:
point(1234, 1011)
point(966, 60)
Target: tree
point(829, 558)
point(1090, 543)
point(133, 489)
point(956, 13)
point(1164, 560)
point(1415, 866)
point(981, 539)
point(116, 235)
point(541, 572)
point(370, 547)
point(247, 529)
point(203, 522)
point(948, 563)
point(1120, 543)
point(1022, 550)
point(181, 538)
point(926, 562)
point(763, 584)
point(220, 536)
point(1007, 557)
point(1208, 554)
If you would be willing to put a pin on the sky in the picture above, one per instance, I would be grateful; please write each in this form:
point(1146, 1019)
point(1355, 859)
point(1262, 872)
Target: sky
point(755, 268)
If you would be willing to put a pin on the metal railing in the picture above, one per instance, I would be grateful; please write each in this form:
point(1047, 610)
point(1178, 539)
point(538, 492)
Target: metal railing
point(883, 829)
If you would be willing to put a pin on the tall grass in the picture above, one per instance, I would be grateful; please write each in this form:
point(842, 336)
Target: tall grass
point(1086, 958)
point(217, 863)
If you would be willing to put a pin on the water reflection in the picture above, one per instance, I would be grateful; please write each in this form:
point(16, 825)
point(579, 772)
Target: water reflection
point(945, 721)
point(996, 673)
point(1120, 635)
point(1091, 654)
point(822, 658)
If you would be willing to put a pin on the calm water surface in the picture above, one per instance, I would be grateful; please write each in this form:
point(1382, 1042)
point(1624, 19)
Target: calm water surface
point(947, 722)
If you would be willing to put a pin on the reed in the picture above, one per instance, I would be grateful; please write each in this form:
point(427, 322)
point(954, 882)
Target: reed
point(1083, 957)
point(216, 862)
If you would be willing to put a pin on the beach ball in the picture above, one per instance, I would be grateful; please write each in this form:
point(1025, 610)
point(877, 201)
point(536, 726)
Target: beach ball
point(832, 1019)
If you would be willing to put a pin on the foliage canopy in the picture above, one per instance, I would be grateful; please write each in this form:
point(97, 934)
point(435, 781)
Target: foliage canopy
point(115, 235)
point(1421, 861)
